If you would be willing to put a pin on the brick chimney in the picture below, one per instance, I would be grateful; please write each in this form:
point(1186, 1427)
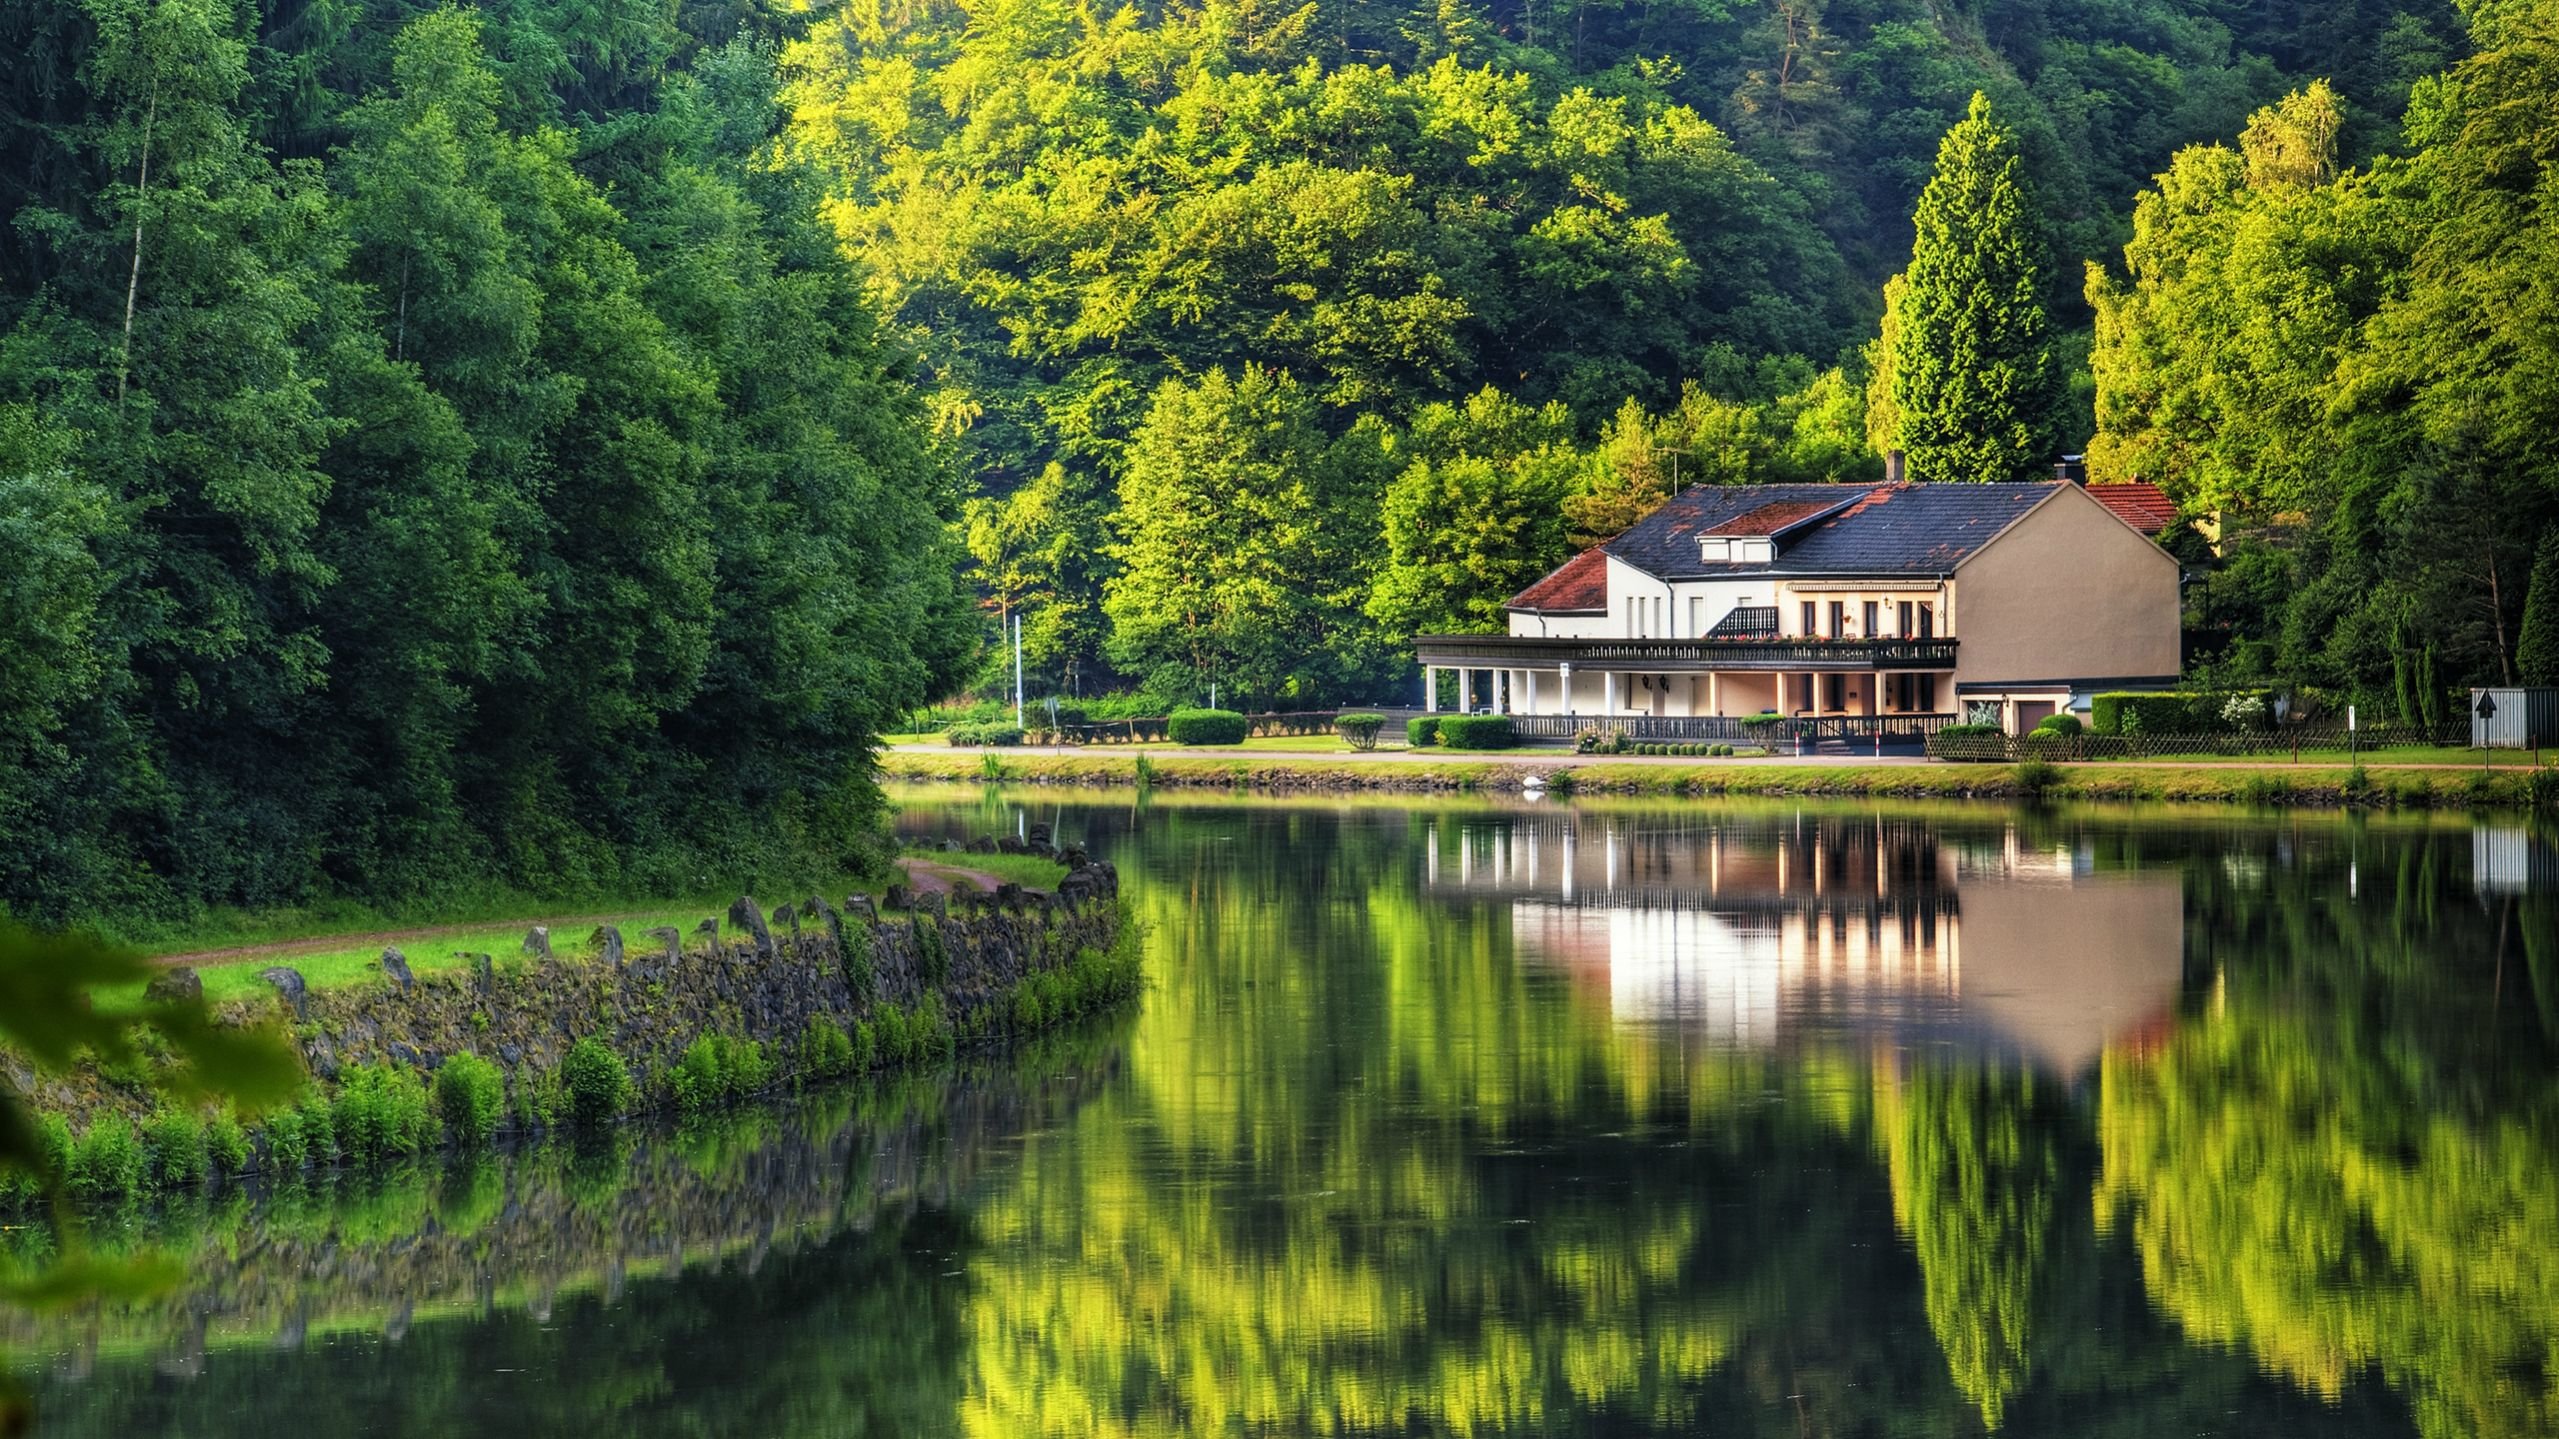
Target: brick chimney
point(1893, 467)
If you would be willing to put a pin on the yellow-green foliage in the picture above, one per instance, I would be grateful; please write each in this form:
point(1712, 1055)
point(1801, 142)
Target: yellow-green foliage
point(472, 1096)
point(175, 1142)
point(597, 1082)
point(718, 1070)
point(106, 1162)
point(382, 1113)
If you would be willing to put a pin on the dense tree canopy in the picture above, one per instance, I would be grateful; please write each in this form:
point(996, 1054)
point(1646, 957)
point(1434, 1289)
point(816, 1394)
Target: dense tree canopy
point(488, 495)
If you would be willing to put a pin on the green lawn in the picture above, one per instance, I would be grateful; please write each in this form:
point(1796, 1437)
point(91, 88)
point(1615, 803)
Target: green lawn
point(2401, 754)
point(432, 947)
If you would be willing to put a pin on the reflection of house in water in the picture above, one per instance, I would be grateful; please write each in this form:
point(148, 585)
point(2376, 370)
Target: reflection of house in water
point(1749, 931)
point(2511, 859)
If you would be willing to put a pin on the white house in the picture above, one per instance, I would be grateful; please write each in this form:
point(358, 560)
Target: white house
point(1900, 606)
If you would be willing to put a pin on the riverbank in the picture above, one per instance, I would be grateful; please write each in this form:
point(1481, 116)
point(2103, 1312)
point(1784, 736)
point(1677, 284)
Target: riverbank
point(1559, 772)
point(408, 1059)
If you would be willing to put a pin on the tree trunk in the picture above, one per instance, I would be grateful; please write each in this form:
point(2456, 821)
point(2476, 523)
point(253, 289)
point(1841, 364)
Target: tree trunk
point(133, 276)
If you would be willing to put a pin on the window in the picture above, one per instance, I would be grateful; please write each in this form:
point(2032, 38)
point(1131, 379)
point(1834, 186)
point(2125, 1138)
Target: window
point(1805, 704)
point(1661, 616)
point(1809, 629)
point(1696, 616)
point(1836, 686)
point(1927, 621)
point(1904, 631)
point(1928, 694)
point(1871, 616)
point(1838, 619)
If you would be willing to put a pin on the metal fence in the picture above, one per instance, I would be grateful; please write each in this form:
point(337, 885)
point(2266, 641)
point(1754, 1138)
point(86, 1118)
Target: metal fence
point(2287, 740)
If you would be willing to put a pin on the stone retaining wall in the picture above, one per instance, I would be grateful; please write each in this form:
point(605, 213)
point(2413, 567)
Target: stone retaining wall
point(753, 976)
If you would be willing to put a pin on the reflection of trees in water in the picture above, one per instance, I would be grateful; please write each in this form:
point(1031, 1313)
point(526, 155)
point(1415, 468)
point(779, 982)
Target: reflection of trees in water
point(2348, 1160)
point(1372, 1175)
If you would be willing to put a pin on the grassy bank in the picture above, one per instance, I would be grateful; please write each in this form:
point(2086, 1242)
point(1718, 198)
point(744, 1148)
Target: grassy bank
point(446, 942)
point(2261, 783)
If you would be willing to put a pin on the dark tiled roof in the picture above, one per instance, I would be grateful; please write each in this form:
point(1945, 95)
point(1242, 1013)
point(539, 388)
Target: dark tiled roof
point(1772, 519)
point(2138, 503)
point(1867, 529)
point(1581, 584)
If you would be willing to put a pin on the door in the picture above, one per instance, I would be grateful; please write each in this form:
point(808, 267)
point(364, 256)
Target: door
point(2031, 713)
point(1661, 695)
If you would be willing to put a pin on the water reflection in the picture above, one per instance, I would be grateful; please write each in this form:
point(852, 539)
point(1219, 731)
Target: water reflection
point(1491, 1120)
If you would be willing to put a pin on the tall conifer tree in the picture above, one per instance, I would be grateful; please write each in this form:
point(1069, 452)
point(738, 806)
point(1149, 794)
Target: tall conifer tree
point(1973, 378)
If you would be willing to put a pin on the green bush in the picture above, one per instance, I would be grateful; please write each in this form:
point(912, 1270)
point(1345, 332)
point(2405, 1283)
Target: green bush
point(1761, 720)
point(1477, 732)
point(174, 1142)
point(226, 1144)
point(1421, 731)
point(2036, 778)
point(471, 1092)
point(1205, 727)
point(2164, 712)
point(932, 955)
point(1360, 728)
point(2066, 725)
point(107, 1162)
point(596, 1081)
point(826, 1051)
point(382, 1113)
point(717, 1070)
point(1005, 733)
point(1970, 731)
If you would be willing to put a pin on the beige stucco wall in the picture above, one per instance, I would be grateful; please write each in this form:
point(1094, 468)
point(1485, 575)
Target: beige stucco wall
point(2068, 592)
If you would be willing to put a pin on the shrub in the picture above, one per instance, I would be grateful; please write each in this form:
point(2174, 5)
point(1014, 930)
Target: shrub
point(1360, 729)
point(226, 1144)
point(2542, 789)
point(173, 1141)
point(983, 734)
point(1761, 720)
point(1597, 739)
point(1969, 731)
point(826, 1051)
point(471, 1092)
point(1477, 732)
point(381, 1113)
point(2265, 789)
point(597, 1082)
point(1421, 731)
point(2164, 712)
point(1204, 727)
point(718, 1070)
point(2067, 725)
point(107, 1162)
point(2037, 778)
point(932, 956)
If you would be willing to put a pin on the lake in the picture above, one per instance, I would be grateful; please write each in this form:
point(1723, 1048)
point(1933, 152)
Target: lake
point(1488, 1118)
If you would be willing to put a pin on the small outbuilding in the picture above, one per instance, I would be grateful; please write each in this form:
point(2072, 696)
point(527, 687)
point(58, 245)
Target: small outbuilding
point(2513, 717)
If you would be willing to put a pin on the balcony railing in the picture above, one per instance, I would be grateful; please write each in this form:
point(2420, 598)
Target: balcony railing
point(1661, 656)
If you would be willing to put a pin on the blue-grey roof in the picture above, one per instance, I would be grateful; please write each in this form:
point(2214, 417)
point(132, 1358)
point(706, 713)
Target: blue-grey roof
point(1859, 529)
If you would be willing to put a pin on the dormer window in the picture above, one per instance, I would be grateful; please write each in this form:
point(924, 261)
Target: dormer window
point(1736, 549)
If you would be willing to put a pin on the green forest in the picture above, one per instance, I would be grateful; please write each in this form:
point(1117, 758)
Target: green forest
point(543, 445)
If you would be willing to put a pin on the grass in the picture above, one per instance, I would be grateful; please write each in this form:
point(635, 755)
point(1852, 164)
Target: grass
point(2400, 754)
point(433, 948)
point(2304, 784)
point(1267, 744)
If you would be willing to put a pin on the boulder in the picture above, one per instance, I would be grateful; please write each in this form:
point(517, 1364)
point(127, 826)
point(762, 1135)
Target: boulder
point(289, 986)
point(1009, 896)
point(860, 907)
point(395, 968)
point(537, 942)
point(898, 897)
point(177, 985)
point(484, 970)
point(1074, 858)
point(708, 931)
point(665, 935)
point(981, 845)
point(788, 917)
point(1042, 837)
point(607, 943)
point(747, 915)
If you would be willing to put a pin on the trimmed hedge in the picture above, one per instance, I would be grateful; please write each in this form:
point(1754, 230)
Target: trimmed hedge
point(2166, 712)
point(1359, 728)
point(983, 734)
point(2061, 724)
point(1205, 727)
point(1422, 731)
point(1477, 732)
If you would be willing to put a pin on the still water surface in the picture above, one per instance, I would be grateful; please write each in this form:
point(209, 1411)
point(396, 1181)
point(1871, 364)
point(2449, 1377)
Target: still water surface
point(1487, 1120)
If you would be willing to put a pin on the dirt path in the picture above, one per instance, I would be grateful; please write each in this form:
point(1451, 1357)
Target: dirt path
point(931, 876)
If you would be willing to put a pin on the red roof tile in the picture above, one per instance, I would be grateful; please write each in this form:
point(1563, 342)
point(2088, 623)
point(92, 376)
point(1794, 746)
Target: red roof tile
point(1580, 584)
point(2137, 503)
point(1769, 519)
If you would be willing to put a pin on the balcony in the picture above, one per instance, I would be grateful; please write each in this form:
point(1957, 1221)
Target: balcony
point(1693, 656)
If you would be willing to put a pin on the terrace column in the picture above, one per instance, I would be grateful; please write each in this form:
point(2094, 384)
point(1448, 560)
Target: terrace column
point(1564, 677)
point(1532, 690)
point(1430, 689)
point(1714, 693)
point(1608, 702)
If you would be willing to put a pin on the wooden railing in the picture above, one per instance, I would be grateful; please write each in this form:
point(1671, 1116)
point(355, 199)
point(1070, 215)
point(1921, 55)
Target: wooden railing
point(1906, 729)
